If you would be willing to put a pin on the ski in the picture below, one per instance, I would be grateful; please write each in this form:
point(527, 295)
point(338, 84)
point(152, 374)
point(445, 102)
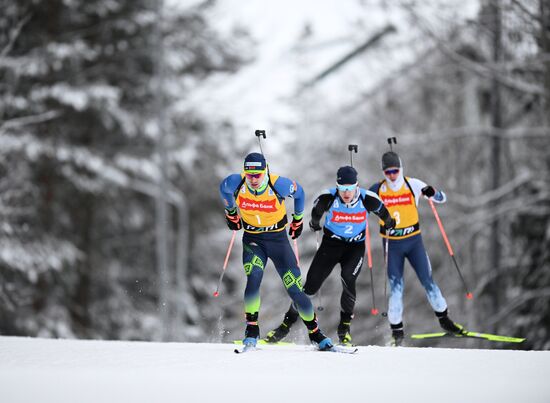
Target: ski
point(265, 342)
point(245, 349)
point(333, 349)
point(342, 349)
point(475, 335)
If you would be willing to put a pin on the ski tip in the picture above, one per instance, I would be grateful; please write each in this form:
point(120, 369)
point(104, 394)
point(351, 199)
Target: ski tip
point(342, 349)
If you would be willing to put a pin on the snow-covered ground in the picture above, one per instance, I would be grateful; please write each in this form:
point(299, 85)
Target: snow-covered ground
point(58, 371)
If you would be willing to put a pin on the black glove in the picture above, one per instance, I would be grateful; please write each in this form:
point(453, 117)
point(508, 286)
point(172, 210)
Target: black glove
point(233, 219)
point(428, 191)
point(389, 223)
point(314, 225)
point(296, 227)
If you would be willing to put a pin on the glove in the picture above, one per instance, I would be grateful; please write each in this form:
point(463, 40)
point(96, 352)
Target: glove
point(296, 227)
point(389, 223)
point(314, 225)
point(428, 191)
point(233, 219)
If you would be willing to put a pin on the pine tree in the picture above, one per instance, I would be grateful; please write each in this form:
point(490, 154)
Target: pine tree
point(80, 111)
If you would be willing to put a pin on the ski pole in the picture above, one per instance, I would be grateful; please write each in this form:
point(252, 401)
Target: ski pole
point(373, 311)
point(217, 293)
point(469, 295)
point(386, 260)
point(259, 134)
point(352, 147)
point(392, 140)
point(320, 307)
point(296, 252)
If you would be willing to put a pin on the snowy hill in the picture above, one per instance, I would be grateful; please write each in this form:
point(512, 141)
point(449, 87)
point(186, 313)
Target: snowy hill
point(44, 370)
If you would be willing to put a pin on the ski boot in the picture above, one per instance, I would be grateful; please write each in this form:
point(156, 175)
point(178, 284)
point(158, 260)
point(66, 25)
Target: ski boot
point(448, 325)
point(252, 332)
point(344, 331)
point(317, 337)
point(279, 333)
point(397, 335)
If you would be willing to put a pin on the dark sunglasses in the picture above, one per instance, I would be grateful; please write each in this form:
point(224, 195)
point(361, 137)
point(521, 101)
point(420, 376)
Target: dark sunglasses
point(255, 176)
point(391, 171)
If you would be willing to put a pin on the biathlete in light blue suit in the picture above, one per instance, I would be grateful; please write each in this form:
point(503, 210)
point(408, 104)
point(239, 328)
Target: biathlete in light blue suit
point(346, 208)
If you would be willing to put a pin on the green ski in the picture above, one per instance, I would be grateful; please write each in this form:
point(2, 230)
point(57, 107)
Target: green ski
point(475, 335)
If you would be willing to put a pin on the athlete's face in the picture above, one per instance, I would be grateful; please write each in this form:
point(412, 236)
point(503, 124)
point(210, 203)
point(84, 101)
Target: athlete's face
point(346, 192)
point(255, 180)
point(392, 173)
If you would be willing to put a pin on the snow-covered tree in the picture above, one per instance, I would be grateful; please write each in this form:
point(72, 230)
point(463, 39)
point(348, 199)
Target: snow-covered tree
point(88, 90)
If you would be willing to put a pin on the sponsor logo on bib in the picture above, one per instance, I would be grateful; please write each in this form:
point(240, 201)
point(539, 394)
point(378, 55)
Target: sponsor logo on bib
point(397, 200)
point(348, 217)
point(267, 206)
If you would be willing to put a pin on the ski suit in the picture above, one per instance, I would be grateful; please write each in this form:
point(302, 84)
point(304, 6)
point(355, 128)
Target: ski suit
point(405, 241)
point(264, 221)
point(343, 240)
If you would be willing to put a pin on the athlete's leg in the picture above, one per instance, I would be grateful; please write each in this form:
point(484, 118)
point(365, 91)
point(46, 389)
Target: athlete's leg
point(396, 263)
point(254, 261)
point(351, 262)
point(280, 251)
point(420, 262)
point(285, 262)
point(326, 257)
point(323, 262)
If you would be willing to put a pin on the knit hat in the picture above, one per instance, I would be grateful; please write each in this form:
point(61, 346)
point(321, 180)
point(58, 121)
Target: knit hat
point(346, 176)
point(254, 163)
point(390, 160)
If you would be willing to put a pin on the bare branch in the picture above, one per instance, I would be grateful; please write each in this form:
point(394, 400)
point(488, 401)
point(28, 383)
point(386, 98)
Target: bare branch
point(28, 120)
point(14, 35)
point(526, 11)
point(525, 296)
point(477, 68)
point(494, 195)
point(453, 133)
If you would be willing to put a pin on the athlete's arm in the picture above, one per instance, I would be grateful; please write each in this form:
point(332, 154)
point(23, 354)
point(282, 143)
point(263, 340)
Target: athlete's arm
point(417, 185)
point(320, 206)
point(374, 204)
point(289, 188)
point(227, 189)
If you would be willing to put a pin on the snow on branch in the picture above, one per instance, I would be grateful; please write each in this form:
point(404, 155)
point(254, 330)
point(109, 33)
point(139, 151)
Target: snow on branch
point(33, 258)
point(453, 133)
point(478, 221)
point(477, 68)
point(81, 157)
point(495, 194)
